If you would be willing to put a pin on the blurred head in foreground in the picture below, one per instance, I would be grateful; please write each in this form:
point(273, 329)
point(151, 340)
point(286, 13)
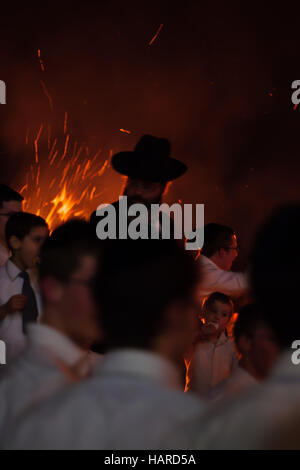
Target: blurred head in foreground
point(145, 294)
point(275, 272)
point(69, 261)
point(255, 341)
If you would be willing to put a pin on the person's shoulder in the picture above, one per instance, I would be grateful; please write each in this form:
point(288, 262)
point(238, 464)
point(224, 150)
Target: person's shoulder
point(207, 264)
point(94, 215)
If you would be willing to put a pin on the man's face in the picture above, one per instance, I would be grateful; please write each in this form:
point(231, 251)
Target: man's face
point(78, 305)
point(143, 192)
point(8, 208)
point(228, 254)
point(28, 249)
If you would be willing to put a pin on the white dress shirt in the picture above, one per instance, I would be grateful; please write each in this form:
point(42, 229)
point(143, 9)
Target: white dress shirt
point(11, 331)
point(134, 402)
point(39, 372)
point(210, 364)
point(214, 279)
point(4, 254)
point(239, 381)
point(251, 420)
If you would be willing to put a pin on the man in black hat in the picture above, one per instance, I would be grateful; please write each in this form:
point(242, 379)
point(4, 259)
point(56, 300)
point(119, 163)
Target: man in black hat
point(149, 167)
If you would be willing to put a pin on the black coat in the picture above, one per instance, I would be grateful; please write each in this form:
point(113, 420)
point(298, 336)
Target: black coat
point(94, 220)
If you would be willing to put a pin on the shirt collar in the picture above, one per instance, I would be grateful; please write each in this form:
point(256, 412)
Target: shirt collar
point(56, 343)
point(204, 260)
point(4, 253)
point(222, 339)
point(143, 364)
point(12, 270)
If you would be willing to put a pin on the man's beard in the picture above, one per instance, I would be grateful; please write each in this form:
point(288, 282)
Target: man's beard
point(136, 199)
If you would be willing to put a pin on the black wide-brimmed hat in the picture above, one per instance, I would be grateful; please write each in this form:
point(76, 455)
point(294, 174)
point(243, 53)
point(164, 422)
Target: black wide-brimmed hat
point(149, 161)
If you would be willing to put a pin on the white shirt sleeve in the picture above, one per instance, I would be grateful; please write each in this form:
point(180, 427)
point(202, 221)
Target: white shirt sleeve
point(214, 279)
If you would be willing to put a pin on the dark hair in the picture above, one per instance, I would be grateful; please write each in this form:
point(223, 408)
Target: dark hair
point(209, 301)
point(216, 236)
point(60, 254)
point(249, 319)
point(275, 272)
point(138, 281)
point(20, 224)
point(8, 194)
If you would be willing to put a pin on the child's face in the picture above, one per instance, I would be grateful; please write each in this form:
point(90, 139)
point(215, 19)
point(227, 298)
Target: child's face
point(219, 314)
point(29, 248)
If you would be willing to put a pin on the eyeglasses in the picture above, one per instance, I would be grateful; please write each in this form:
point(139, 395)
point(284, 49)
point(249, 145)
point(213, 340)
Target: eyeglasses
point(227, 248)
point(236, 248)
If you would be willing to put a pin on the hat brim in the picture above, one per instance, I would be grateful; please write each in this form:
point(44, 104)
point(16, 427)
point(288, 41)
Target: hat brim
point(130, 164)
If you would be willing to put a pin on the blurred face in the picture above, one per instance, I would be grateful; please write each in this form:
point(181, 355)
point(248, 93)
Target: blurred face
point(144, 192)
point(227, 255)
point(263, 351)
point(217, 317)
point(26, 251)
point(9, 208)
point(77, 304)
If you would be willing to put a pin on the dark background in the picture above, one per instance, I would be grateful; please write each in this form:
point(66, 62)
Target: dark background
point(216, 82)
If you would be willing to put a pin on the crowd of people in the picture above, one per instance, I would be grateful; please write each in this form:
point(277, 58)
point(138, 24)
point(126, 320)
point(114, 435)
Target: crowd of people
point(140, 344)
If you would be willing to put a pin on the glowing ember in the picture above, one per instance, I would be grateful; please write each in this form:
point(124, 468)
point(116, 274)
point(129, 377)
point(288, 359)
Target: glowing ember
point(126, 131)
point(47, 94)
point(156, 35)
point(65, 184)
point(41, 62)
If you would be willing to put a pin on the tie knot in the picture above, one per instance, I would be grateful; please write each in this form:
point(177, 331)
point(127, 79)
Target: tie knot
point(24, 275)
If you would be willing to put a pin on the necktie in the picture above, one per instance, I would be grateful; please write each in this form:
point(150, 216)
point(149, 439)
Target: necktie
point(30, 312)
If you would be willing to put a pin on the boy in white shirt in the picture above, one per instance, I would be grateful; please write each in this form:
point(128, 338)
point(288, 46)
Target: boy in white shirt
point(214, 357)
point(259, 350)
point(57, 351)
point(19, 298)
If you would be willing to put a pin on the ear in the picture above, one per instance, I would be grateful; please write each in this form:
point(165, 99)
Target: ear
point(14, 243)
point(52, 289)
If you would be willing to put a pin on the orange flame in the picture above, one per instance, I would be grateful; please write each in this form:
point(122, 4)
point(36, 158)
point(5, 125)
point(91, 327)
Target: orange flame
point(60, 187)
